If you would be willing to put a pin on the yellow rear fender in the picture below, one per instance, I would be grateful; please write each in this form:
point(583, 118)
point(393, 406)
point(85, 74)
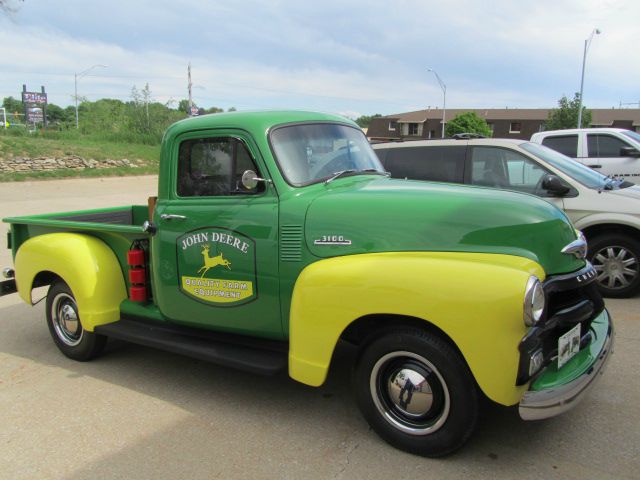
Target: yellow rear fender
point(85, 263)
point(475, 299)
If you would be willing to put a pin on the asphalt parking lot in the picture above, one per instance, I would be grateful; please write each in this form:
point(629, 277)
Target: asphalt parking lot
point(140, 413)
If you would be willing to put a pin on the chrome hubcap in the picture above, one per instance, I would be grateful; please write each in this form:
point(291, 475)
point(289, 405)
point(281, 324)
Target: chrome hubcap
point(410, 393)
point(616, 266)
point(66, 323)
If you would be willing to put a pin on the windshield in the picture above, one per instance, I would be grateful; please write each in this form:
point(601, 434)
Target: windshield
point(632, 135)
point(310, 153)
point(586, 176)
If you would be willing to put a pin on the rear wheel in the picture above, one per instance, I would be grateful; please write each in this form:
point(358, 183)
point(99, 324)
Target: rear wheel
point(66, 328)
point(616, 259)
point(416, 392)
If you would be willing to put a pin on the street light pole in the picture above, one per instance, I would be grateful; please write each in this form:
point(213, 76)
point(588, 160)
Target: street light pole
point(587, 42)
point(76, 76)
point(444, 97)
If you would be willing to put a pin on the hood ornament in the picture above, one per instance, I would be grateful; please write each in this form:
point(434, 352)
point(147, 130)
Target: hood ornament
point(577, 248)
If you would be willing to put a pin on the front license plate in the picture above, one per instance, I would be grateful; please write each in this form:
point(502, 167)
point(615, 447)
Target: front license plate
point(568, 345)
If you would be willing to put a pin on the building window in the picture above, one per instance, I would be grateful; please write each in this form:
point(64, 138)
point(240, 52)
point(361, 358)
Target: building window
point(413, 129)
point(491, 127)
point(392, 126)
point(515, 127)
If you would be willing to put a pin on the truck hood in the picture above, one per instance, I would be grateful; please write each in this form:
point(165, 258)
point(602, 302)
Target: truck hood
point(380, 215)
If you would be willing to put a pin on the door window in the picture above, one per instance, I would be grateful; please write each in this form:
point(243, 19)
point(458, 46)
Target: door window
point(565, 144)
point(210, 167)
point(604, 145)
point(438, 164)
point(502, 168)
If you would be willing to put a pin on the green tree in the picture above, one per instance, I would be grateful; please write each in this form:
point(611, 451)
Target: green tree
point(55, 114)
point(468, 122)
point(364, 121)
point(12, 105)
point(566, 115)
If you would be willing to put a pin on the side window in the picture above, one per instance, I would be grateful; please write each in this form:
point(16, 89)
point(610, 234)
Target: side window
point(501, 168)
point(438, 164)
point(212, 167)
point(565, 144)
point(604, 145)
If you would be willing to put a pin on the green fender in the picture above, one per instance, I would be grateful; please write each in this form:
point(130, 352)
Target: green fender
point(86, 264)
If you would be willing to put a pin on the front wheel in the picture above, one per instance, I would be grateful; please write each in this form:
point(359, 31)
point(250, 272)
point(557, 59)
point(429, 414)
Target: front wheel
point(616, 258)
point(65, 326)
point(416, 392)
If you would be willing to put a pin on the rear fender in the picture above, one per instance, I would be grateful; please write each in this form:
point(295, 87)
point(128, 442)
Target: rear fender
point(85, 263)
point(475, 299)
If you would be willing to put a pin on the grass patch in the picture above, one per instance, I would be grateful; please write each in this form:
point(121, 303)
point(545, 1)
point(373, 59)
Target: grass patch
point(11, 146)
point(84, 147)
point(88, 172)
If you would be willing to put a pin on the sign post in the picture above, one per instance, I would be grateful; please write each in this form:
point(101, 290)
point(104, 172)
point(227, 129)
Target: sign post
point(35, 106)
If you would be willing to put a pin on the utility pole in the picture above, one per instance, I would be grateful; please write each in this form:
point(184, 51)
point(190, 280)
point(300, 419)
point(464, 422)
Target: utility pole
point(587, 42)
point(190, 85)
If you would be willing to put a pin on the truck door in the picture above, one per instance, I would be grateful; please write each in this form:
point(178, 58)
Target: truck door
point(215, 261)
point(606, 150)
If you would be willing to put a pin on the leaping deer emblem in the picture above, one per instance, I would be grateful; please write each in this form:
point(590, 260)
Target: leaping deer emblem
point(210, 262)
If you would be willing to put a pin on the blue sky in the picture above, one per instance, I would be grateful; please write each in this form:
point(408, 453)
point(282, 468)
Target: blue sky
point(349, 57)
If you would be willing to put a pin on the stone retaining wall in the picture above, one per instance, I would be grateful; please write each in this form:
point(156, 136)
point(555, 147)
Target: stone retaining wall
point(38, 164)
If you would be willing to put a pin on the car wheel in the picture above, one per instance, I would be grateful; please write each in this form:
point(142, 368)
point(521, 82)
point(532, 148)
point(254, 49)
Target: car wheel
point(616, 259)
point(66, 328)
point(416, 392)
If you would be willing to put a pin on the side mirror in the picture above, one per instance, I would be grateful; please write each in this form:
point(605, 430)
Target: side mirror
point(629, 152)
point(250, 180)
point(555, 185)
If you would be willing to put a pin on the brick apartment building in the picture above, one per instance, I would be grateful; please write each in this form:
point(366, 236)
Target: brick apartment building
point(504, 122)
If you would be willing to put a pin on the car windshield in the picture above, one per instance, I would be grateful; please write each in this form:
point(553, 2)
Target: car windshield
point(632, 135)
point(310, 153)
point(586, 176)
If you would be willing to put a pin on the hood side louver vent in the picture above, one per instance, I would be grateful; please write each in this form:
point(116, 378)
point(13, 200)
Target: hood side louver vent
point(291, 243)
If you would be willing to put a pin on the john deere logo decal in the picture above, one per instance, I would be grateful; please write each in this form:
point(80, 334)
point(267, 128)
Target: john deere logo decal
point(217, 266)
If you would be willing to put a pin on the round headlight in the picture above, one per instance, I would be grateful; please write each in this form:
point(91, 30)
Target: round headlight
point(534, 302)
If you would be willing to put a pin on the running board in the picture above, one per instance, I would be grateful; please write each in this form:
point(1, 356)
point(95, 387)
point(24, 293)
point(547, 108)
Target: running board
point(265, 357)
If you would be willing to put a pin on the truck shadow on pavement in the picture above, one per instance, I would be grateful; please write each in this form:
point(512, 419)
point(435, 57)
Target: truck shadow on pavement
point(182, 417)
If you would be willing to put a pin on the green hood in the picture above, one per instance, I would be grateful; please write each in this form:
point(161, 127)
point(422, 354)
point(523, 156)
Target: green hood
point(381, 215)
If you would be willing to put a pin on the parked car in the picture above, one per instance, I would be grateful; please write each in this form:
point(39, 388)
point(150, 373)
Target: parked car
point(276, 234)
point(612, 151)
point(607, 210)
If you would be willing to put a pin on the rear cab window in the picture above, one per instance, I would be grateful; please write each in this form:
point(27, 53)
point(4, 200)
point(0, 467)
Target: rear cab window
point(565, 144)
point(437, 164)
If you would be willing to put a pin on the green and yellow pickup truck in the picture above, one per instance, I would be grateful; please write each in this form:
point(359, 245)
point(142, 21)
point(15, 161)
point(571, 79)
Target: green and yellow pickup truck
point(275, 235)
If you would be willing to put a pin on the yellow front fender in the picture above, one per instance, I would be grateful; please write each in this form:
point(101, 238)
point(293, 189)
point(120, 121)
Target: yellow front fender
point(85, 263)
point(476, 299)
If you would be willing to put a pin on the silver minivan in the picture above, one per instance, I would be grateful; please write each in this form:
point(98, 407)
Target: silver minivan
point(606, 209)
point(612, 151)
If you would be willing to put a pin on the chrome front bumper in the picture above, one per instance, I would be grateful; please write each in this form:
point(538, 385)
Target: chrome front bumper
point(541, 404)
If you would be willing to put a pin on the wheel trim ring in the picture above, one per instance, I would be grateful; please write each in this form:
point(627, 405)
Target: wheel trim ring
point(387, 413)
point(602, 261)
point(60, 301)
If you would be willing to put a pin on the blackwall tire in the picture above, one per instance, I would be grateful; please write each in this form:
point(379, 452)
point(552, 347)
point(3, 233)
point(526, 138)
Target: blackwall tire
point(616, 258)
point(416, 392)
point(63, 320)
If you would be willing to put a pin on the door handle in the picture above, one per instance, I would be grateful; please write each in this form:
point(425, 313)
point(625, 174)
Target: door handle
point(594, 166)
point(169, 216)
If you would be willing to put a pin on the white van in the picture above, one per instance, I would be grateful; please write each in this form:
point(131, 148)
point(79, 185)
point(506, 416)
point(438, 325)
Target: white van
point(614, 152)
point(607, 210)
